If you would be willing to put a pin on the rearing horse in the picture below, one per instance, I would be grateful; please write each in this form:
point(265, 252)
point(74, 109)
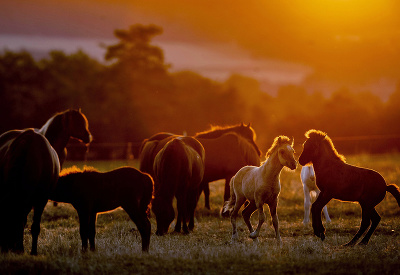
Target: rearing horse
point(338, 180)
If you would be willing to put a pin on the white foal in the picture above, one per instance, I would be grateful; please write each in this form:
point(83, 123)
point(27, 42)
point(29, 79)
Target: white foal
point(308, 179)
point(260, 185)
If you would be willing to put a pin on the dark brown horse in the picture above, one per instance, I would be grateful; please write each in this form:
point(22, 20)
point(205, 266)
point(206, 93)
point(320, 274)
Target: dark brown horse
point(227, 150)
point(177, 166)
point(338, 180)
point(63, 126)
point(91, 192)
point(29, 169)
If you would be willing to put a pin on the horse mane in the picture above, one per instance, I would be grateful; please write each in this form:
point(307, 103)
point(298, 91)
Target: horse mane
point(217, 131)
point(278, 141)
point(322, 137)
point(75, 170)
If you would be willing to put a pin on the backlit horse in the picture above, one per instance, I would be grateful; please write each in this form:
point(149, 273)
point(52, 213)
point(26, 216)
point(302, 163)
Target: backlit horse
point(177, 166)
point(29, 169)
point(63, 126)
point(91, 192)
point(338, 180)
point(260, 185)
point(307, 176)
point(227, 150)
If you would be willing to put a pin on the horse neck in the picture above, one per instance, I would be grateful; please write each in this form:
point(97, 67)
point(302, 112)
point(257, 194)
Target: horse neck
point(272, 166)
point(57, 135)
point(324, 160)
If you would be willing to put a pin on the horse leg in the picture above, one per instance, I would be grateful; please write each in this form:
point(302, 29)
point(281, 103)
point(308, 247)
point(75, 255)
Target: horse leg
point(327, 218)
point(143, 225)
point(247, 212)
point(307, 205)
point(181, 206)
point(375, 219)
point(35, 228)
point(192, 203)
point(316, 209)
point(275, 220)
point(92, 231)
point(325, 210)
point(239, 202)
point(365, 223)
point(261, 219)
point(84, 228)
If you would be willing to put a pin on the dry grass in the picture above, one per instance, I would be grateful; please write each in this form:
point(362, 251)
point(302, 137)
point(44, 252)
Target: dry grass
point(208, 250)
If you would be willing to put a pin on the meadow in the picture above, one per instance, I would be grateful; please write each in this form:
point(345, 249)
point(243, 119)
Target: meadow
point(208, 249)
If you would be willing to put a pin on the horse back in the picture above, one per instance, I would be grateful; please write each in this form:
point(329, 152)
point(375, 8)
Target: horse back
point(29, 162)
point(149, 149)
point(352, 183)
point(177, 165)
point(226, 154)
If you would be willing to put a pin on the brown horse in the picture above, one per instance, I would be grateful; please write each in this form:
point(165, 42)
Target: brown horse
point(29, 169)
point(227, 150)
point(177, 166)
point(338, 180)
point(91, 192)
point(65, 125)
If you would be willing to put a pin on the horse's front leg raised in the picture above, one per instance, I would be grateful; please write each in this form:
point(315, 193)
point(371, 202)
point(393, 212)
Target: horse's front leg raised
point(261, 219)
point(316, 209)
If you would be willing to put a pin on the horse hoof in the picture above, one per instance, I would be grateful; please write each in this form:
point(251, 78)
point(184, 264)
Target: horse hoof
point(253, 235)
point(322, 236)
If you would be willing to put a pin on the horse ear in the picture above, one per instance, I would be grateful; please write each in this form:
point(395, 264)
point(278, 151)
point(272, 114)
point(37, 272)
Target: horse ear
point(292, 141)
point(242, 124)
point(80, 110)
point(248, 125)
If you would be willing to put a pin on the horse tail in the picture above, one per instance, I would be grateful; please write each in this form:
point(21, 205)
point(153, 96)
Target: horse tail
point(228, 205)
point(395, 191)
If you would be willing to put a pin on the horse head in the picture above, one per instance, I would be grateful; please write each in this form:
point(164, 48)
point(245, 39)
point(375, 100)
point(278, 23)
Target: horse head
point(286, 152)
point(311, 146)
point(78, 125)
point(164, 213)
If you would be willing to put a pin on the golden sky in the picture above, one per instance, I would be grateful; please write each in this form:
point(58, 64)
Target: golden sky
point(342, 40)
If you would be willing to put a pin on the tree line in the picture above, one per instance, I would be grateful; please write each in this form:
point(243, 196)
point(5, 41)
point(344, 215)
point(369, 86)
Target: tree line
point(132, 94)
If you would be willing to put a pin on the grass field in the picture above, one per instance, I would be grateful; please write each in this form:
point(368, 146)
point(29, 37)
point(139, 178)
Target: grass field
point(208, 250)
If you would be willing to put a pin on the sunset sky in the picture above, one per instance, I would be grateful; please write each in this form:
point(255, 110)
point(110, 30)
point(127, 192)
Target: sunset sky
point(325, 44)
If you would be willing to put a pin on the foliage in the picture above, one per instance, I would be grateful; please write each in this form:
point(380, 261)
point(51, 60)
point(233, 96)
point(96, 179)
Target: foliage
point(132, 95)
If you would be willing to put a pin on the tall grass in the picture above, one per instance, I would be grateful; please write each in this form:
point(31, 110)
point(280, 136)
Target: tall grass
point(208, 250)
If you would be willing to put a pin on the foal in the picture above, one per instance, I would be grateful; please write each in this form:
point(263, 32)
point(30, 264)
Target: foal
point(260, 185)
point(338, 180)
point(91, 192)
point(308, 179)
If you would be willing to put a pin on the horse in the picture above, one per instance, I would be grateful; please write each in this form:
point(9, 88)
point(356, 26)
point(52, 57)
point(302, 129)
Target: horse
point(259, 185)
point(227, 150)
point(65, 125)
point(307, 176)
point(92, 192)
point(177, 166)
point(338, 180)
point(29, 169)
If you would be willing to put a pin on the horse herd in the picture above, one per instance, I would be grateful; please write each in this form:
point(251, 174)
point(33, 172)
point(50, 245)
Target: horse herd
point(174, 166)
